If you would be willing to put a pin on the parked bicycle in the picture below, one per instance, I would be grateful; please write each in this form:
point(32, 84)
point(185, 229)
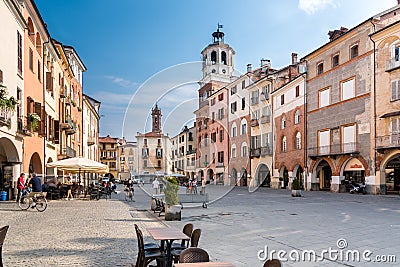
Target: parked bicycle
point(37, 201)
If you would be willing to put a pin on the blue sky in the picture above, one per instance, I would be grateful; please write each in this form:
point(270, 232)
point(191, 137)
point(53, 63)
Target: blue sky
point(125, 43)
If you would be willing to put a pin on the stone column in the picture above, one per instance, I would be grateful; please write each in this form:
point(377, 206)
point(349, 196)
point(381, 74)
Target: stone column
point(335, 184)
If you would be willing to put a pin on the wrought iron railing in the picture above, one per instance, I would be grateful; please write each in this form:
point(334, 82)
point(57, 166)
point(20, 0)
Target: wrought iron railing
point(69, 152)
point(255, 152)
point(266, 151)
point(390, 140)
point(335, 149)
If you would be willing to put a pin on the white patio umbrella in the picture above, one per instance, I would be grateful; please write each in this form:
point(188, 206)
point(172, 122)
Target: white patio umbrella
point(78, 165)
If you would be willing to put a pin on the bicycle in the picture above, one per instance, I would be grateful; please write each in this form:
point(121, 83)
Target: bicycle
point(37, 201)
point(129, 193)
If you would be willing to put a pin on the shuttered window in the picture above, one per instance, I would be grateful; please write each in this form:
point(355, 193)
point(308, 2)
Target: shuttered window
point(19, 49)
point(395, 90)
point(49, 82)
point(395, 123)
point(56, 132)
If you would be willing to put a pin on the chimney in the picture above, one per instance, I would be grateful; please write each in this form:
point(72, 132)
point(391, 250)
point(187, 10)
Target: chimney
point(294, 57)
point(249, 67)
point(267, 62)
point(398, 2)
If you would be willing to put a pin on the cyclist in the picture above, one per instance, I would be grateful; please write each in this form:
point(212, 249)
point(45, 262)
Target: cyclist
point(36, 184)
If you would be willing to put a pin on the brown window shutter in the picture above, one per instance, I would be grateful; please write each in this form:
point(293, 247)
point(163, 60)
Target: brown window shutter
point(29, 105)
point(43, 124)
point(38, 111)
point(49, 82)
point(56, 132)
point(1, 76)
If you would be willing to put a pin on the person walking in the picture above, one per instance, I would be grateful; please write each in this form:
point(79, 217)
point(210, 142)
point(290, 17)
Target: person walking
point(69, 190)
point(21, 185)
point(156, 185)
point(203, 185)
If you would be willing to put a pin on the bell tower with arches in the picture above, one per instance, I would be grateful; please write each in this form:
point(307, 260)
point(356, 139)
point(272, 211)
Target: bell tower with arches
point(218, 59)
point(156, 119)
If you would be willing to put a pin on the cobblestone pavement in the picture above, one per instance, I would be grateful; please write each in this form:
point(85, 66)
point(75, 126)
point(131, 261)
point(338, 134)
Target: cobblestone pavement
point(74, 233)
point(234, 228)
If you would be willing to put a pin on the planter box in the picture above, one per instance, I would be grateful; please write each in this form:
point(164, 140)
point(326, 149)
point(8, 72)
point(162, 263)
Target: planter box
point(296, 193)
point(173, 213)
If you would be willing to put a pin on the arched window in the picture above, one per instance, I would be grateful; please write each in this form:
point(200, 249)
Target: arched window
point(233, 151)
point(31, 30)
point(283, 122)
point(223, 57)
point(297, 117)
point(298, 140)
point(284, 144)
point(38, 43)
point(243, 127)
point(214, 57)
point(244, 149)
point(234, 130)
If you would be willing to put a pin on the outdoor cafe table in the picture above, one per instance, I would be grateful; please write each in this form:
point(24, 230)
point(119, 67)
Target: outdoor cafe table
point(167, 235)
point(205, 264)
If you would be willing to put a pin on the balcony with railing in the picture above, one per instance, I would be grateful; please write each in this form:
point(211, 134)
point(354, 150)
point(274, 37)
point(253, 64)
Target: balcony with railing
point(393, 63)
point(69, 126)
point(23, 126)
point(254, 101)
point(189, 152)
point(91, 140)
point(254, 122)
point(334, 150)
point(219, 164)
point(67, 152)
point(266, 151)
point(387, 141)
point(255, 152)
point(5, 118)
point(265, 119)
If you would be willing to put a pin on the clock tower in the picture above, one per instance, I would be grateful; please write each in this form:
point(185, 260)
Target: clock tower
point(218, 59)
point(156, 115)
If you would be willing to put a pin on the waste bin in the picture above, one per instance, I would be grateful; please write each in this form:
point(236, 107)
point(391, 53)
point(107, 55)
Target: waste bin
point(3, 196)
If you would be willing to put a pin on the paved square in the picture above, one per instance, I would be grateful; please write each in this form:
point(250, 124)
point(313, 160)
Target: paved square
point(234, 229)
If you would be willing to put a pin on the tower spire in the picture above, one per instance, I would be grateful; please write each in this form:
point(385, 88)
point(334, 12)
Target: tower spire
point(218, 36)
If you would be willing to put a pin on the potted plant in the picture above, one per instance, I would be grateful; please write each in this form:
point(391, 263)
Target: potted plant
point(6, 104)
point(34, 120)
point(172, 209)
point(296, 190)
point(79, 109)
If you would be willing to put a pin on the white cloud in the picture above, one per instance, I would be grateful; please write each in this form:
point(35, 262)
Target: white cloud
point(122, 82)
point(312, 6)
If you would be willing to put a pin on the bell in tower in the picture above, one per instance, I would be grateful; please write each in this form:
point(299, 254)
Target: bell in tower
point(218, 63)
point(156, 116)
